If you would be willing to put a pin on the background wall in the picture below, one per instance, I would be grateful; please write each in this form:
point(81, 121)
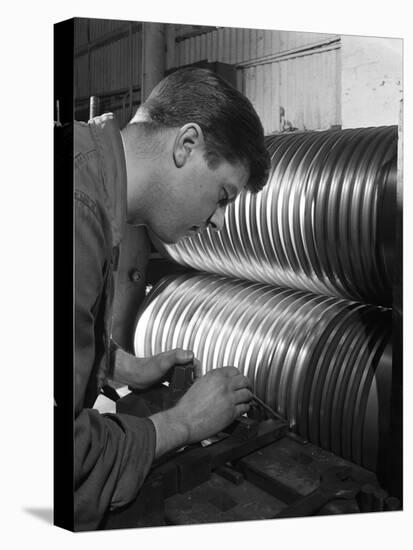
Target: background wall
point(292, 78)
point(371, 80)
point(295, 80)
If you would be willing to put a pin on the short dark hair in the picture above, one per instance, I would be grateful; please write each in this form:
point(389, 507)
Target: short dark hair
point(231, 127)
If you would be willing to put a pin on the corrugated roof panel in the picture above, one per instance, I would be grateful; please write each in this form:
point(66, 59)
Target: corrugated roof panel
point(238, 45)
point(235, 45)
point(203, 39)
point(260, 43)
point(227, 45)
point(268, 42)
point(111, 66)
point(220, 45)
point(100, 27)
point(81, 80)
point(260, 89)
point(272, 119)
point(81, 31)
point(246, 44)
point(136, 55)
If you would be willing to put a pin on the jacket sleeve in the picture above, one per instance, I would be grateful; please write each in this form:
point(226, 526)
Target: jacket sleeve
point(113, 453)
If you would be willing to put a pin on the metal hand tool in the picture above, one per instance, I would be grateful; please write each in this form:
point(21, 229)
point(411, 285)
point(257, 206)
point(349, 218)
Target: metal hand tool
point(335, 483)
point(182, 379)
point(267, 408)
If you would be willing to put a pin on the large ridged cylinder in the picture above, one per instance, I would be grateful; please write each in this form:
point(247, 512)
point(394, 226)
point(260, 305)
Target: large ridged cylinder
point(323, 223)
point(323, 363)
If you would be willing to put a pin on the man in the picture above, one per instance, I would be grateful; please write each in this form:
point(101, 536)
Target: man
point(190, 149)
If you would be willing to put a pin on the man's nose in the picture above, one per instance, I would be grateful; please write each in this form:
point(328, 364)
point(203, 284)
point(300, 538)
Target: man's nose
point(216, 221)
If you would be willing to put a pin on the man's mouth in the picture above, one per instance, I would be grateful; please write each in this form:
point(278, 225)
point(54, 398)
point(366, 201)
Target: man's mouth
point(196, 229)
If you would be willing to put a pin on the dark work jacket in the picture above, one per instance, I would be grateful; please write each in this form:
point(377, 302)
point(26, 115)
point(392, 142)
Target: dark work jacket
point(113, 453)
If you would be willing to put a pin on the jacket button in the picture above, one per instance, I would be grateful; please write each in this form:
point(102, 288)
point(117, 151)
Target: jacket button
point(134, 275)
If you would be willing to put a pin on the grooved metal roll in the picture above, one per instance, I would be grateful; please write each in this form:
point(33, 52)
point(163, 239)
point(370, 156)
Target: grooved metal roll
point(323, 223)
point(323, 363)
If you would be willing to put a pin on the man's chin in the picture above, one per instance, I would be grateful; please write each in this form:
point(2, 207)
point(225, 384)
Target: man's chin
point(170, 241)
point(164, 239)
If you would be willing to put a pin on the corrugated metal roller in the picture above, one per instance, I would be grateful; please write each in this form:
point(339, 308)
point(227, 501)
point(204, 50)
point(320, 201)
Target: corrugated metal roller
point(323, 223)
point(324, 363)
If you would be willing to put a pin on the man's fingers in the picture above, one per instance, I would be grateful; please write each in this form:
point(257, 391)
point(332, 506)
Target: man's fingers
point(242, 408)
point(230, 371)
point(175, 357)
point(243, 396)
point(197, 368)
point(239, 382)
point(182, 356)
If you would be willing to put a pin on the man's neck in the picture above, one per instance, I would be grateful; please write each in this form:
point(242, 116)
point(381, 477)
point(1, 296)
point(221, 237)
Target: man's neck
point(143, 172)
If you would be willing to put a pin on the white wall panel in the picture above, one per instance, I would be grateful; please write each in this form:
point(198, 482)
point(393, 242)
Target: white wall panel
point(372, 80)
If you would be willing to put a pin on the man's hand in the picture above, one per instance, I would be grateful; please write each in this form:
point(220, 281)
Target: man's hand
point(211, 403)
point(143, 372)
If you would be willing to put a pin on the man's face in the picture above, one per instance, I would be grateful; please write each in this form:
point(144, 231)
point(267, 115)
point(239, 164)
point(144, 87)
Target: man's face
point(197, 197)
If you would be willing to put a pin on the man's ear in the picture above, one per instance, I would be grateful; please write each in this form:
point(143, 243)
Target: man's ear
point(189, 138)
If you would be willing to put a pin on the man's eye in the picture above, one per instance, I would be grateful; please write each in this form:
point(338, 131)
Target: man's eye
point(225, 199)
